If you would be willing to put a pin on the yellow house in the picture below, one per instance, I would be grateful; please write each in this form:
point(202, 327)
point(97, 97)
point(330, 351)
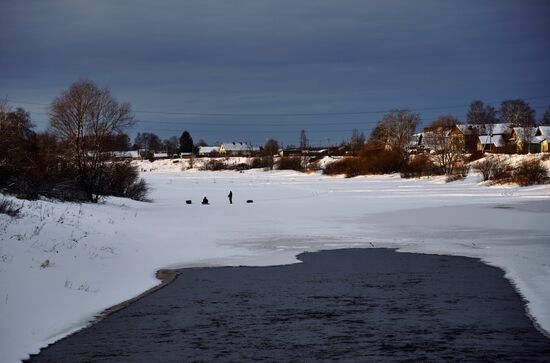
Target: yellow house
point(543, 131)
point(527, 140)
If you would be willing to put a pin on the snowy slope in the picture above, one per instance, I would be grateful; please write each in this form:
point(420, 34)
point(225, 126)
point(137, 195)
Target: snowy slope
point(101, 255)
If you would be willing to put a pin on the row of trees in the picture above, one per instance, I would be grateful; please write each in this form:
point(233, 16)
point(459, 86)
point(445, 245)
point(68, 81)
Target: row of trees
point(516, 112)
point(150, 142)
point(70, 160)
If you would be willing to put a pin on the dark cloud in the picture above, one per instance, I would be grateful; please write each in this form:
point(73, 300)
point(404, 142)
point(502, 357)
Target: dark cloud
point(276, 57)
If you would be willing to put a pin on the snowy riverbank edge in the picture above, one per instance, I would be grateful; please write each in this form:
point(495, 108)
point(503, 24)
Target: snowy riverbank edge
point(101, 255)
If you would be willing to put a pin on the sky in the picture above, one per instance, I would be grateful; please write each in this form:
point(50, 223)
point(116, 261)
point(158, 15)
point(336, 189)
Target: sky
point(249, 70)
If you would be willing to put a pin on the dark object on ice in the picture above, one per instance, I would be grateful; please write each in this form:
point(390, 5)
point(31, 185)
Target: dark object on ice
point(205, 201)
point(188, 201)
point(250, 201)
point(230, 196)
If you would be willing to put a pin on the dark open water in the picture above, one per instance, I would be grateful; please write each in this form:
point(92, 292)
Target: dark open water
point(364, 305)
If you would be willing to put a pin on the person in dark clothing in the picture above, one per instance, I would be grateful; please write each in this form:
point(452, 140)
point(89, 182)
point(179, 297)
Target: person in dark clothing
point(230, 196)
point(205, 201)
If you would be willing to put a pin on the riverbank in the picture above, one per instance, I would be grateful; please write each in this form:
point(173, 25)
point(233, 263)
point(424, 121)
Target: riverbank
point(101, 255)
point(354, 304)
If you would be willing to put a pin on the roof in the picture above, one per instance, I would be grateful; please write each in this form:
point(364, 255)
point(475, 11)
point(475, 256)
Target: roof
point(125, 154)
point(484, 129)
point(544, 131)
point(497, 140)
point(237, 146)
point(430, 130)
point(521, 133)
point(208, 149)
point(160, 155)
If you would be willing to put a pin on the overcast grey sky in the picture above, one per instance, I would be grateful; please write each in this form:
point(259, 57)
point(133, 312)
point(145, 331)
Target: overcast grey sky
point(276, 57)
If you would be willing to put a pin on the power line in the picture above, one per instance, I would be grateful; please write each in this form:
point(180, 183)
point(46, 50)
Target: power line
point(299, 114)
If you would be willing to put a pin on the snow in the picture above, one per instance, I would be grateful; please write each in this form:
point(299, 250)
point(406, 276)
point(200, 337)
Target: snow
point(101, 255)
point(496, 140)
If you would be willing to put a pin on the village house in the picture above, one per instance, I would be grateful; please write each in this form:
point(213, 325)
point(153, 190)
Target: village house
point(160, 155)
point(126, 155)
point(495, 138)
point(527, 140)
point(485, 137)
point(491, 143)
point(209, 150)
point(291, 151)
point(438, 138)
point(544, 131)
point(238, 148)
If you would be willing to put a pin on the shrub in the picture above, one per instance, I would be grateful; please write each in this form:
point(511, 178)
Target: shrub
point(65, 189)
point(138, 190)
point(258, 162)
point(377, 161)
point(122, 180)
point(214, 165)
point(460, 171)
point(530, 172)
point(485, 168)
point(290, 163)
point(239, 167)
point(418, 166)
point(349, 167)
point(476, 155)
point(502, 172)
point(8, 207)
point(313, 166)
point(494, 169)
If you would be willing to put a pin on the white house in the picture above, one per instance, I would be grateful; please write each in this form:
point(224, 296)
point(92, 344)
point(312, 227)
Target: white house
point(208, 150)
point(134, 154)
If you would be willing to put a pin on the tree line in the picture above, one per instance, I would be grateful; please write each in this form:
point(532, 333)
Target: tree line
point(70, 160)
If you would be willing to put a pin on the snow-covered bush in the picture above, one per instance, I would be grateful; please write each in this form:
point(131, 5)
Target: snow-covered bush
point(290, 163)
point(485, 168)
point(419, 166)
point(122, 180)
point(214, 165)
point(260, 162)
point(502, 171)
point(349, 167)
point(530, 172)
point(9, 207)
point(460, 171)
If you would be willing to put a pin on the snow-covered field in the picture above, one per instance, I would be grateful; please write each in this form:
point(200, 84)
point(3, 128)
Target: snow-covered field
point(63, 263)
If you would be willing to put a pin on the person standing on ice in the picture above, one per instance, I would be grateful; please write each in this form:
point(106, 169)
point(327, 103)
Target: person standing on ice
point(230, 196)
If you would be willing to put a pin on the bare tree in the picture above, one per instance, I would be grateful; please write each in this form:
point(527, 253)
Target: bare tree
point(481, 114)
point(517, 113)
point(448, 147)
point(148, 142)
point(396, 129)
point(17, 148)
point(4, 107)
point(170, 145)
point(357, 141)
point(270, 149)
point(545, 120)
point(304, 142)
point(445, 121)
point(84, 117)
